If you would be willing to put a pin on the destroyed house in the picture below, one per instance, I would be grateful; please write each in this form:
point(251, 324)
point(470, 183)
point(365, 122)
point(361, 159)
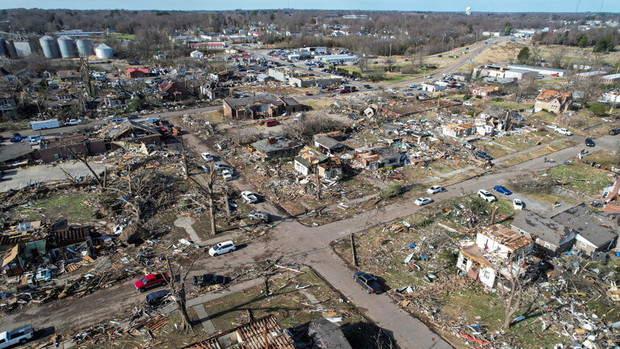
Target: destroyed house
point(258, 334)
point(458, 130)
point(375, 159)
point(257, 107)
point(327, 144)
point(595, 233)
point(173, 91)
point(70, 245)
point(497, 250)
point(312, 161)
point(135, 132)
point(553, 237)
point(67, 75)
point(277, 147)
point(552, 101)
point(493, 119)
point(67, 148)
point(485, 91)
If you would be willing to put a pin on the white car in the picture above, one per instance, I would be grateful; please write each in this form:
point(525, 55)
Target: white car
point(73, 122)
point(468, 104)
point(228, 174)
point(207, 157)
point(249, 197)
point(435, 189)
point(518, 204)
point(222, 247)
point(34, 140)
point(423, 201)
point(486, 196)
point(564, 131)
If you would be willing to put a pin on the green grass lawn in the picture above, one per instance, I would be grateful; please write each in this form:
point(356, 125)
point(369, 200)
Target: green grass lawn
point(73, 207)
point(512, 105)
point(604, 158)
point(581, 178)
point(123, 36)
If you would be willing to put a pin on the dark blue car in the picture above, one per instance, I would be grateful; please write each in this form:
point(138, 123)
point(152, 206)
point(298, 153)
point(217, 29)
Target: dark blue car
point(502, 190)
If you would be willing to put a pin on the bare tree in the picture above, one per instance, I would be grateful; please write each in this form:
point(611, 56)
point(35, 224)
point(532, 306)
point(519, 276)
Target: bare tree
point(511, 286)
point(178, 291)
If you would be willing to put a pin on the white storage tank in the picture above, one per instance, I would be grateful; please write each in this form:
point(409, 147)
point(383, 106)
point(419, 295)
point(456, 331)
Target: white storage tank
point(23, 48)
point(10, 49)
point(3, 50)
point(49, 46)
point(104, 51)
point(66, 47)
point(84, 47)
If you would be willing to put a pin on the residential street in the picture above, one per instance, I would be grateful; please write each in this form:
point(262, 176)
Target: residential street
point(300, 244)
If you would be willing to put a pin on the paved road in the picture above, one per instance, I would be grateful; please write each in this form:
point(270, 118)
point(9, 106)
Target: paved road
point(299, 244)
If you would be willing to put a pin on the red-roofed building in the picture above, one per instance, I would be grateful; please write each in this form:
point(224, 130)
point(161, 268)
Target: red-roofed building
point(138, 72)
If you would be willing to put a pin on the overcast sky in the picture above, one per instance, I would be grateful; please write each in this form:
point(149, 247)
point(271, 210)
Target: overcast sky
point(403, 5)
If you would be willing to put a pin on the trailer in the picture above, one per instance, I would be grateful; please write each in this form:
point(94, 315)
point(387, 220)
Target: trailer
point(45, 124)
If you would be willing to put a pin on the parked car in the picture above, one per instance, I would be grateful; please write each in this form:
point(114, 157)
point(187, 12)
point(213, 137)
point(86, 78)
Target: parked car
point(207, 157)
point(564, 132)
point(468, 104)
point(209, 279)
point(590, 142)
point(368, 281)
point(367, 86)
point(469, 146)
point(308, 93)
point(17, 139)
point(486, 196)
point(435, 189)
point(614, 131)
point(221, 248)
point(151, 280)
point(228, 174)
point(157, 298)
point(518, 204)
point(219, 166)
point(249, 197)
point(483, 155)
point(272, 122)
point(423, 201)
point(18, 336)
point(73, 122)
point(259, 216)
point(204, 168)
point(502, 190)
point(34, 140)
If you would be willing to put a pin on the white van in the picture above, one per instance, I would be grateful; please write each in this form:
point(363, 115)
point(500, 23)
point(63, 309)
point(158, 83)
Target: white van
point(222, 247)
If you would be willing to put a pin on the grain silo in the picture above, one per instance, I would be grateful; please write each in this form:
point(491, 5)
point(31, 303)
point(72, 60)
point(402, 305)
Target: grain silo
point(84, 47)
point(10, 49)
point(3, 50)
point(66, 47)
point(104, 51)
point(50, 47)
point(23, 48)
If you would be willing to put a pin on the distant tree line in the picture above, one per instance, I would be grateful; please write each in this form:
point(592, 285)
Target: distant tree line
point(383, 33)
point(601, 40)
